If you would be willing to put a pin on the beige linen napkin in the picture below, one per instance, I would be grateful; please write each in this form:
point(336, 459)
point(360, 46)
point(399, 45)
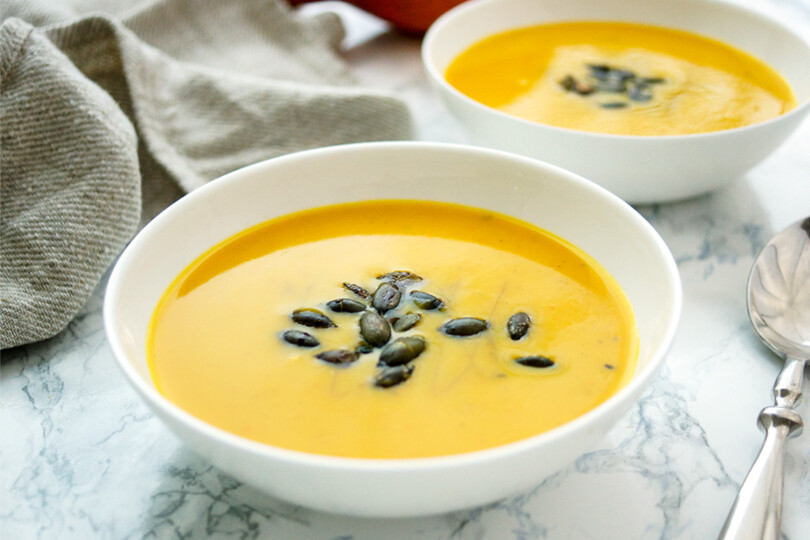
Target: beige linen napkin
point(107, 119)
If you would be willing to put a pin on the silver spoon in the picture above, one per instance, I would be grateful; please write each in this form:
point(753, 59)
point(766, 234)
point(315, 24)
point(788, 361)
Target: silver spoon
point(779, 308)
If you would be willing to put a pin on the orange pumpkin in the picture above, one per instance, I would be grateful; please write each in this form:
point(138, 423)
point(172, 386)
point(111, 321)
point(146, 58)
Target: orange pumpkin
point(410, 16)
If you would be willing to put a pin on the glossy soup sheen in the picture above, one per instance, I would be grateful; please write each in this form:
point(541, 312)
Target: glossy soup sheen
point(663, 81)
point(214, 345)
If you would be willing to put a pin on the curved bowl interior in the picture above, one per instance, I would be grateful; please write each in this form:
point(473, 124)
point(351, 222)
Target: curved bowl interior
point(575, 209)
point(639, 169)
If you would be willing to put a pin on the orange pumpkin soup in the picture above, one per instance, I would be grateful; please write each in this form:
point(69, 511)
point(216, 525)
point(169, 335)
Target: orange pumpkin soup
point(392, 329)
point(621, 78)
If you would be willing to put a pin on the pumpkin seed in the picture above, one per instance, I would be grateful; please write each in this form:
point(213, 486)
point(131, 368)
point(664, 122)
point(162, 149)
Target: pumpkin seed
point(400, 276)
point(651, 80)
point(386, 297)
point(337, 356)
point(535, 361)
point(518, 325)
point(363, 348)
point(299, 338)
point(402, 350)
point(425, 300)
point(568, 83)
point(406, 322)
point(346, 305)
point(374, 329)
point(583, 88)
point(312, 317)
point(464, 326)
point(392, 376)
point(639, 92)
point(357, 289)
point(613, 105)
point(599, 71)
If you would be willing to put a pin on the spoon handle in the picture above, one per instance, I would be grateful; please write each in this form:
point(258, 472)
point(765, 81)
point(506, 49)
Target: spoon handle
point(757, 510)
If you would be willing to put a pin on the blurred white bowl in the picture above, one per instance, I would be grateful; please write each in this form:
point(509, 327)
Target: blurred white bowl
point(639, 169)
point(558, 201)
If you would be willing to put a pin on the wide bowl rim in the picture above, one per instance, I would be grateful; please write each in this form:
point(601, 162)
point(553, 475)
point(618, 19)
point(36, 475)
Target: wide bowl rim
point(640, 380)
point(438, 79)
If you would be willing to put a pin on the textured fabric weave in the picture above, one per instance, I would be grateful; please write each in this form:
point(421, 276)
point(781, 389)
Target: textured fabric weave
point(106, 120)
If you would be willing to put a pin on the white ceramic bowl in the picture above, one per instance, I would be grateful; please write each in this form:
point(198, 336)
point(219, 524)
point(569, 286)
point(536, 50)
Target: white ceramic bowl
point(556, 200)
point(639, 169)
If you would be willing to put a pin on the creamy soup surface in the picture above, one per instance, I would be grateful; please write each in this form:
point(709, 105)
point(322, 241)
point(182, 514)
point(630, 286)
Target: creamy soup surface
point(215, 344)
point(620, 78)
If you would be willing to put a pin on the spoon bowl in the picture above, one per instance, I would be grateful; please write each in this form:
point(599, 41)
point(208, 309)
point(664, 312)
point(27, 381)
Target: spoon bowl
point(779, 292)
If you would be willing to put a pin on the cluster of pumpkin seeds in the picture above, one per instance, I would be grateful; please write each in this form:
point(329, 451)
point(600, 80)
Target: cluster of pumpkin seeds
point(616, 82)
point(376, 326)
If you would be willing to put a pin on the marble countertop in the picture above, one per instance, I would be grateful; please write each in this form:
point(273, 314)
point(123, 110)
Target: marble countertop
point(82, 457)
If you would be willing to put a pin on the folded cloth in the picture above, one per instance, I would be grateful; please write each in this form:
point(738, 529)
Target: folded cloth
point(107, 119)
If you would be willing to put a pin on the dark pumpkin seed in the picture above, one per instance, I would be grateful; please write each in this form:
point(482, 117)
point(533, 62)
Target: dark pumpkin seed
point(357, 289)
point(402, 350)
point(363, 348)
point(535, 361)
point(568, 83)
point(406, 322)
point(639, 93)
point(346, 305)
point(650, 80)
point(622, 74)
point(613, 85)
point(610, 366)
point(599, 71)
point(400, 276)
point(374, 329)
point(613, 105)
point(583, 88)
point(464, 326)
point(386, 297)
point(299, 338)
point(312, 317)
point(392, 376)
point(337, 356)
point(425, 300)
point(518, 325)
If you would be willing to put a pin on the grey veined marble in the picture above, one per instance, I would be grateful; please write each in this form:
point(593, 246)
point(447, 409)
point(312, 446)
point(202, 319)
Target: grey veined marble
point(83, 458)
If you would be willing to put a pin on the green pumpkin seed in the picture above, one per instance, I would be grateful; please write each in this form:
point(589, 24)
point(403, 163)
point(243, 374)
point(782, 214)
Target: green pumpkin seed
point(518, 325)
point(535, 361)
point(300, 339)
point(363, 348)
point(425, 300)
point(346, 305)
point(406, 322)
point(374, 329)
point(386, 297)
point(357, 289)
point(392, 376)
point(402, 350)
point(337, 356)
point(568, 83)
point(464, 326)
point(312, 317)
point(583, 88)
